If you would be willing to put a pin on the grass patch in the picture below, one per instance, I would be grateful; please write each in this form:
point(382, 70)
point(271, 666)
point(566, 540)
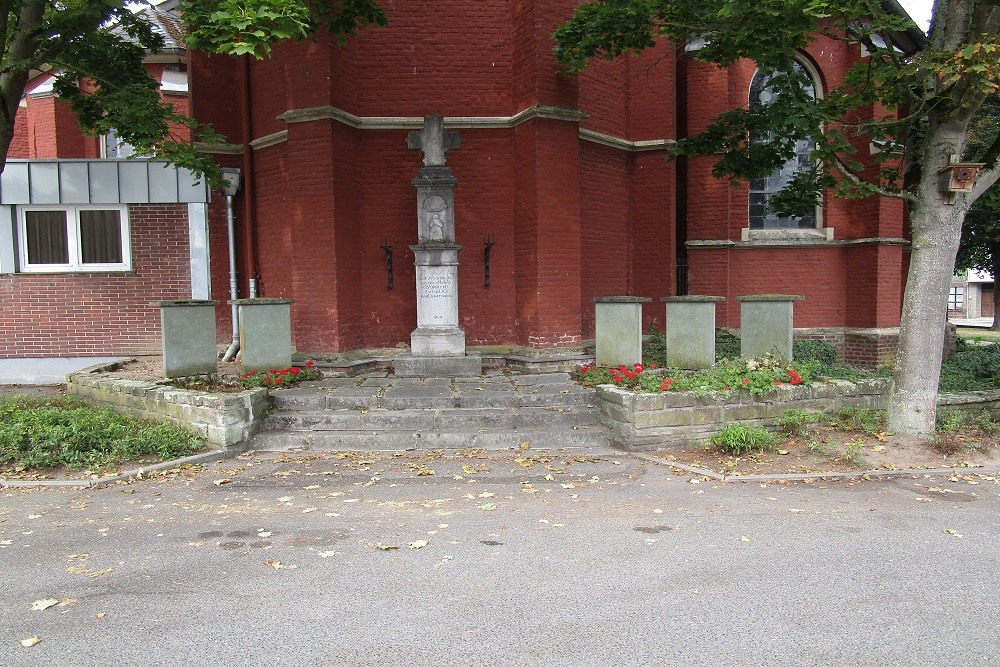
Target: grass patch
point(978, 335)
point(740, 439)
point(974, 368)
point(64, 431)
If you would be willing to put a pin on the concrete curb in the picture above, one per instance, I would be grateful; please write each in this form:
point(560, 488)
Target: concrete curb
point(869, 474)
point(207, 457)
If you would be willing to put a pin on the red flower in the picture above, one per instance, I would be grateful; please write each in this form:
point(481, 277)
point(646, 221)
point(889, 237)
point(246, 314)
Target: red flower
point(617, 379)
point(665, 385)
point(295, 370)
point(796, 380)
point(283, 372)
point(653, 365)
point(745, 381)
point(278, 380)
point(310, 364)
point(777, 383)
point(728, 389)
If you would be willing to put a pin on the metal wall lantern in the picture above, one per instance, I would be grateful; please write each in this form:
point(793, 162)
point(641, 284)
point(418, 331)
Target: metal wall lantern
point(387, 249)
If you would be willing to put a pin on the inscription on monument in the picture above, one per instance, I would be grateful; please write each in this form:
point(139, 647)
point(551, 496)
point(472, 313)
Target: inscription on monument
point(434, 286)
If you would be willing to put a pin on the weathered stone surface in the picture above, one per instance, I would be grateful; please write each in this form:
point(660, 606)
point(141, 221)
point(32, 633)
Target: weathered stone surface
point(690, 331)
point(618, 330)
point(187, 332)
point(409, 365)
point(265, 334)
point(766, 325)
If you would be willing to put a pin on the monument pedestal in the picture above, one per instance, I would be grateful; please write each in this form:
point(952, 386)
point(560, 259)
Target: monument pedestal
point(437, 344)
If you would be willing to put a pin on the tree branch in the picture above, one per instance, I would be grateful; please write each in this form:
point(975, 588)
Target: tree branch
point(879, 190)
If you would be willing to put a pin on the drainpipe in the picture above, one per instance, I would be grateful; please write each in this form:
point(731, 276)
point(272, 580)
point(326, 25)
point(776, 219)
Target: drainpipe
point(249, 210)
point(231, 185)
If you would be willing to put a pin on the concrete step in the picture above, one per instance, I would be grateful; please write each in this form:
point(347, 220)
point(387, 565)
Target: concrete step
point(484, 395)
point(433, 419)
point(592, 436)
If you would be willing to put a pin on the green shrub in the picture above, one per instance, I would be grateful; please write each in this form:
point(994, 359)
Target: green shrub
point(740, 439)
point(60, 431)
point(860, 419)
point(974, 369)
point(654, 348)
point(796, 421)
point(815, 350)
point(727, 345)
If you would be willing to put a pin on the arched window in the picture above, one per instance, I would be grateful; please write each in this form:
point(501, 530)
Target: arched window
point(762, 189)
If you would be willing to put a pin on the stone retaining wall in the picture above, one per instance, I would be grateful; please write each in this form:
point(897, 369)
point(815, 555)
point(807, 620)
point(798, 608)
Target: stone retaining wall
point(676, 419)
point(973, 402)
point(226, 421)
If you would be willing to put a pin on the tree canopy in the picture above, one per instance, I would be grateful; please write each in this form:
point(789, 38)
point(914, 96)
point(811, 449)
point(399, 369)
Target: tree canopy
point(911, 95)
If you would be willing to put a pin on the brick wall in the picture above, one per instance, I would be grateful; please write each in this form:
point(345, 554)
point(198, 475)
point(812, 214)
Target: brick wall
point(99, 314)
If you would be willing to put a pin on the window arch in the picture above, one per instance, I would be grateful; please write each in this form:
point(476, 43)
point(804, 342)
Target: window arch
point(762, 189)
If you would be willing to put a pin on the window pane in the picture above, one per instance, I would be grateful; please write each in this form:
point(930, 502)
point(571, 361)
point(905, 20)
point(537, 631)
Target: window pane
point(100, 237)
point(46, 238)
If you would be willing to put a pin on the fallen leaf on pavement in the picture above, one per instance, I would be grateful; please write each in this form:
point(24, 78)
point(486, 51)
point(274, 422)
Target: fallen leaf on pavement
point(220, 482)
point(30, 641)
point(385, 547)
point(41, 605)
point(278, 565)
point(744, 538)
point(417, 544)
point(489, 507)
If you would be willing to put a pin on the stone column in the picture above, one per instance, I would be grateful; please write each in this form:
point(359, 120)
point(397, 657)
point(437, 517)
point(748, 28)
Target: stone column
point(187, 329)
point(690, 331)
point(766, 324)
point(265, 334)
point(437, 345)
point(618, 329)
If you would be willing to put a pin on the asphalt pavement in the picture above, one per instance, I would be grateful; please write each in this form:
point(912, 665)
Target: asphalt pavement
point(503, 558)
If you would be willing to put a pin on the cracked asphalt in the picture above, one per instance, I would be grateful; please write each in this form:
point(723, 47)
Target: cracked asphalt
point(498, 558)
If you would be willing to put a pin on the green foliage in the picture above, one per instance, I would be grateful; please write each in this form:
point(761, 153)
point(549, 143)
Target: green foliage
point(815, 350)
point(796, 421)
point(977, 368)
point(654, 348)
point(242, 27)
point(951, 420)
point(853, 452)
point(740, 439)
point(727, 345)
point(280, 379)
point(42, 433)
point(860, 419)
point(755, 376)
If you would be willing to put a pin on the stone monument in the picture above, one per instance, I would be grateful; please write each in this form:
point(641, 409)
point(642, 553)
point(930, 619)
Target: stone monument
point(437, 345)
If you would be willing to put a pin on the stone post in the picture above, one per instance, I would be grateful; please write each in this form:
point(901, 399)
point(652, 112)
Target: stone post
point(618, 329)
point(187, 329)
point(437, 345)
point(766, 324)
point(690, 331)
point(265, 334)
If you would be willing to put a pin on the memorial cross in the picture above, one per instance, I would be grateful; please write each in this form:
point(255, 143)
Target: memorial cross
point(434, 140)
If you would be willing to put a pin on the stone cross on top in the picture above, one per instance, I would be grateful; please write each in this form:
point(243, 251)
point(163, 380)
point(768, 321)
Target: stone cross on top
point(434, 140)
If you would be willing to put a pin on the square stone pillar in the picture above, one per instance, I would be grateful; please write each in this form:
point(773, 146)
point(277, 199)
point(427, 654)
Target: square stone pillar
point(766, 324)
point(690, 331)
point(618, 329)
point(187, 329)
point(265, 334)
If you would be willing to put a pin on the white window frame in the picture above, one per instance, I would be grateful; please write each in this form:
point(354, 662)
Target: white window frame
point(956, 298)
point(76, 264)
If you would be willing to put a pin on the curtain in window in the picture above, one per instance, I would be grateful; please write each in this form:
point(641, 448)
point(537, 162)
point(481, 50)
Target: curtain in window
point(46, 237)
point(100, 237)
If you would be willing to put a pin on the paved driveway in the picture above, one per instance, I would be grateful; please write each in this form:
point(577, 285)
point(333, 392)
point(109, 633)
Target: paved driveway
point(517, 559)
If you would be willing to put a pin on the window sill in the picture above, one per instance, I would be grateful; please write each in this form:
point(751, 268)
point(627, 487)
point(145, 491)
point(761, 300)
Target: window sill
point(786, 236)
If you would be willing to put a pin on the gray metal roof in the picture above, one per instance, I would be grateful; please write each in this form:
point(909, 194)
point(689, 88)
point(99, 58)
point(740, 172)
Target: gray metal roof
point(99, 182)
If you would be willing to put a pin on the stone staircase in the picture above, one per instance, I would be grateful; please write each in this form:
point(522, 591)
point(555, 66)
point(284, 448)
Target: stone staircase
point(379, 411)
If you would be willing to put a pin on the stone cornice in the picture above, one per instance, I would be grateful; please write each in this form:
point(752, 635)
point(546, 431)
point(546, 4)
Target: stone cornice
point(624, 144)
point(219, 149)
point(711, 244)
point(269, 140)
point(416, 122)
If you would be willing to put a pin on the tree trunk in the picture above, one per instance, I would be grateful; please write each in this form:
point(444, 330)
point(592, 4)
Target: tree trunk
point(996, 291)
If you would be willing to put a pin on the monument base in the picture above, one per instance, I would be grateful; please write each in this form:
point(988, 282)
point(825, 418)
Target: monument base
point(438, 342)
point(411, 365)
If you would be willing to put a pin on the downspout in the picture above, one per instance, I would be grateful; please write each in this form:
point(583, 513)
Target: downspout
point(249, 210)
point(231, 185)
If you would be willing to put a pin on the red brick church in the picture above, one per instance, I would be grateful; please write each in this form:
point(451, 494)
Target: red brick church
point(566, 177)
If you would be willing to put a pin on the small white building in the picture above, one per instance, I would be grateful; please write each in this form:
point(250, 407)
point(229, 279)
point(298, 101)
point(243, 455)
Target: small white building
point(971, 295)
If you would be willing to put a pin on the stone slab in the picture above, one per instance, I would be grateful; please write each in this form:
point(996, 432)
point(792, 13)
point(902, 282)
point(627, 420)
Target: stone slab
point(265, 334)
point(618, 330)
point(411, 365)
point(766, 327)
point(187, 334)
point(690, 334)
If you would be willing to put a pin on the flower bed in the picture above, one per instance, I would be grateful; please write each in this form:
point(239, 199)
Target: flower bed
point(670, 418)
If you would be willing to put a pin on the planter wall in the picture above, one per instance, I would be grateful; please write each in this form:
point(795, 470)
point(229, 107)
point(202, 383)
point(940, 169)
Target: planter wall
point(226, 421)
point(677, 419)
